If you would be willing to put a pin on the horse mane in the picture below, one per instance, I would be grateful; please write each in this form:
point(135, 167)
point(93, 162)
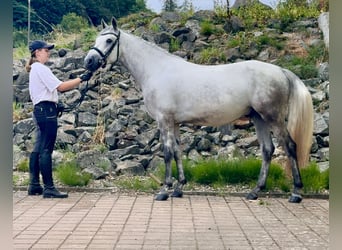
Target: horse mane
point(152, 45)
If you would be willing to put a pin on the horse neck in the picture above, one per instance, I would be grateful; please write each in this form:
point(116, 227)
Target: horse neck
point(140, 57)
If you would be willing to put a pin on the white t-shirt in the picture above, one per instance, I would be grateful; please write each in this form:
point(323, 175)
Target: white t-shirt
point(43, 84)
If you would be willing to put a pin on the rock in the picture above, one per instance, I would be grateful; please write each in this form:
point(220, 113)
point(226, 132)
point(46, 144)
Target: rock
point(87, 119)
point(170, 16)
point(320, 125)
point(323, 24)
point(25, 126)
point(323, 71)
point(233, 25)
point(130, 168)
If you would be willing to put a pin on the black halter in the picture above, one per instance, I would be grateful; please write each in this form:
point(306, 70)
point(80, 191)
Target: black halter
point(104, 56)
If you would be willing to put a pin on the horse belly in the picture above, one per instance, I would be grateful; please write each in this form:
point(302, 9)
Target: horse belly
point(215, 114)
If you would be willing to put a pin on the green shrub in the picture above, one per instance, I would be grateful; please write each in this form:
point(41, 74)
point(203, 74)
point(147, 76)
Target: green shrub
point(70, 174)
point(208, 54)
point(265, 40)
point(72, 23)
point(254, 14)
point(207, 28)
point(23, 166)
point(174, 45)
point(88, 37)
point(313, 179)
point(19, 38)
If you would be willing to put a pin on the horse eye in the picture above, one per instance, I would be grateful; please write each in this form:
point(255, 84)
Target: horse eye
point(109, 40)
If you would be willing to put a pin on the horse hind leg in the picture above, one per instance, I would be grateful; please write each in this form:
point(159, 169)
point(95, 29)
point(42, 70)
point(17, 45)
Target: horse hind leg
point(267, 149)
point(290, 149)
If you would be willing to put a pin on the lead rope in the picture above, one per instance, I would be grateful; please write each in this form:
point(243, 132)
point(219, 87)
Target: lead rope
point(61, 108)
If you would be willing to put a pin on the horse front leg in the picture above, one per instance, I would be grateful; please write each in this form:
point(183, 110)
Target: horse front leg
point(178, 191)
point(164, 191)
point(267, 149)
point(266, 161)
point(167, 137)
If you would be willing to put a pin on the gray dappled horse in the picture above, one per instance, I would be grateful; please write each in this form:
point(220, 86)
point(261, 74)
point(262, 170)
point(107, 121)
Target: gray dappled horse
point(176, 91)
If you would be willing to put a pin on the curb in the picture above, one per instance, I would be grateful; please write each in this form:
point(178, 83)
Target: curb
point(202, 193)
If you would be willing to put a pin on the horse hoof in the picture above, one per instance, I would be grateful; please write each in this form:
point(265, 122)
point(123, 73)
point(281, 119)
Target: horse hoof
point(177, 194)
point(295, 198)
point(162, 197)
point(252, 196)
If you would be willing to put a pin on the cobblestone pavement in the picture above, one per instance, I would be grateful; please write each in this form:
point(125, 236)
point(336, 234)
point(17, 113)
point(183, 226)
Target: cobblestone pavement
point(116, 221)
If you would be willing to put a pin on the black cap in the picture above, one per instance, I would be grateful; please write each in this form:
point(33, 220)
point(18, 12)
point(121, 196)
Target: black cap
point(38, 44)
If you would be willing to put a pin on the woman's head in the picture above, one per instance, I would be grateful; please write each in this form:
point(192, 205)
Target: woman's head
point(39, 52)
point(39, 45)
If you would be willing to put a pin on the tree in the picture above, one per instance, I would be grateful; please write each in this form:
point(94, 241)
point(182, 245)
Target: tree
point(45, 14)
point(170, 5)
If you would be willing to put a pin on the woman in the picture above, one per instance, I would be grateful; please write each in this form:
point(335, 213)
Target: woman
point(44, 87)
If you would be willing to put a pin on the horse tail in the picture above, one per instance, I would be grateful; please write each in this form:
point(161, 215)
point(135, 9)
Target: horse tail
point(300, 118)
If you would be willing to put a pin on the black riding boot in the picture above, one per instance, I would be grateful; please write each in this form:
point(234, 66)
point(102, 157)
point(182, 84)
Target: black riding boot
point(45, 163)
point(34, 187)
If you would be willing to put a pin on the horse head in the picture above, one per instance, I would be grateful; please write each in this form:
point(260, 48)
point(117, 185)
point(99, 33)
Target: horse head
point(106, 48)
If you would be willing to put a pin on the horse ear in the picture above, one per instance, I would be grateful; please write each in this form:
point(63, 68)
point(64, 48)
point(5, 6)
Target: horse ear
point(114, 23)
point(104, 24)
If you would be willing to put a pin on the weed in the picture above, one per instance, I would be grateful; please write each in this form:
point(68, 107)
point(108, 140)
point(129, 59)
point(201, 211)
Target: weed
point(207, 28)
point(313, 179)
point(21, 51)
point(17, 112)
point(265, 40)
point(15, 180)
point(174, 45)
point(23, 165)
point(137, 183)
point(116, 93)
point(70, 174)
point(154, 27)
point(208, 54)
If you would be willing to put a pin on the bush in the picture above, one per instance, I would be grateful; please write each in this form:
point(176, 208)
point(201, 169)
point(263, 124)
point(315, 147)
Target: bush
point(71, 23)
point(23, 166)
point(209, 54)
point(19, 38)
point(207, 28)
point(313, 179)
point(70, 174)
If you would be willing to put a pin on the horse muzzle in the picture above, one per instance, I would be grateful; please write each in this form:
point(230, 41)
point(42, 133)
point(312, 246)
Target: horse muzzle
point(93, 62)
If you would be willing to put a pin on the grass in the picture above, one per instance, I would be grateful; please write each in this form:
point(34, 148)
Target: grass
point(70, 174)
point(208, 54)
point(313, 180)
point(174, 45)
point(219, 173)
point(215, 173)
point(137, 183)
point(23, 166)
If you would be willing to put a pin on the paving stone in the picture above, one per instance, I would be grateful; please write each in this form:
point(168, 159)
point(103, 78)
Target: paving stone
point(116, 221)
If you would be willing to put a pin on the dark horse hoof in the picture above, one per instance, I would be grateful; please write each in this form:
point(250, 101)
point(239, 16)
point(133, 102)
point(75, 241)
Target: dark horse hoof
point(295, 198)
point(162, 196)
point(252, 196)
point(177, 193)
